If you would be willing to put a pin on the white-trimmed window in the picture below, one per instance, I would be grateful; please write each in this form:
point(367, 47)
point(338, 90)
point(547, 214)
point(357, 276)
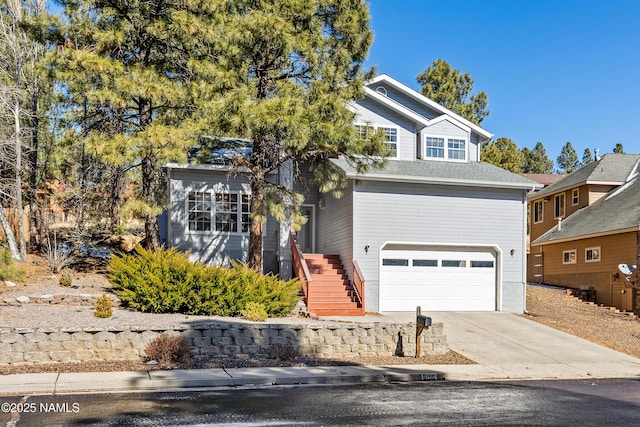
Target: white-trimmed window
point(457, 149)
point(364, 131)
point(220, 211)
point(569, 257)
point(199, 210)
point(390, 136)
point(559, 206)
point(434, 147)
point(592, 254)
point(538, 212)
point(391, 139)
point(445, 148)
point(575, 197)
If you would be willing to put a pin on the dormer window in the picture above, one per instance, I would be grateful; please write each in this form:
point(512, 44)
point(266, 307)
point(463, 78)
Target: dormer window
point(445, 148)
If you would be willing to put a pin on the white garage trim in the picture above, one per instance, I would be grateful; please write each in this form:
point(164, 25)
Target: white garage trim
point(444, 252)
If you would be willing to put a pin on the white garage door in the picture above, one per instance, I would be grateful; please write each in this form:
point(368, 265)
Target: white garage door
point(438, 280)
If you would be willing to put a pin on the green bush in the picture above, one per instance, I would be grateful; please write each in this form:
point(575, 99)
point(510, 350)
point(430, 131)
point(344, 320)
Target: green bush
point(104, 307)
point(66, 277)
point(255, 312)
point(165, 281)
point(8, 269)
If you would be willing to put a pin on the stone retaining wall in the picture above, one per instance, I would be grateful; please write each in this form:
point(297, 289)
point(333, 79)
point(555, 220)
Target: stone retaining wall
point(24, 345)
point(87, 300)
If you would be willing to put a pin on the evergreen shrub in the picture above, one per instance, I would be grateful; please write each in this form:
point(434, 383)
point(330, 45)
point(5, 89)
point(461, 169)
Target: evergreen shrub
point(104, 307)
point(165, 281)
point(255, 312)
point(66, 277)
point(8, 269)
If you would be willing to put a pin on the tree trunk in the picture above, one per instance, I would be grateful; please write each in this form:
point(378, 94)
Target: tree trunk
point(33, 176)
point(22, 254)
point(149, 179)
point(8, 232)
point(255, 235)
point(117, 198)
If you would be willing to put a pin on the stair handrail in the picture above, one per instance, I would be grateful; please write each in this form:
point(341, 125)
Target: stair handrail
point(358, 283)
point(300, 265)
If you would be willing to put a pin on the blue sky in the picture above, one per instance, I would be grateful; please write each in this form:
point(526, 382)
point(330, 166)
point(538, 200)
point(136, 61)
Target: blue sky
point(554, 70)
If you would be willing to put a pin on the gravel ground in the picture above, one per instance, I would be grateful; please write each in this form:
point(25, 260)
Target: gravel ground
point(554, 308)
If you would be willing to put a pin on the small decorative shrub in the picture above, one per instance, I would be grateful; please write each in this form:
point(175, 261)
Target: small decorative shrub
point(8, 269)
point(66, 277)
point(284, 352)
point(255, 312)
point(104, 307)
point(165, 281)
point(167, 350)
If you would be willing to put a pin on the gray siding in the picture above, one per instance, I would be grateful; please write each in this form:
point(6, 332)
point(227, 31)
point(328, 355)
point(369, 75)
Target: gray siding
point(209, 246)
point(390, 212)
point(335, 225)
point(446, 128)
point(368, 112)
point(408, 102)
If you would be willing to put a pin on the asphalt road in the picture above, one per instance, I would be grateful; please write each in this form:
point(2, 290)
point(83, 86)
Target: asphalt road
point(538, 403)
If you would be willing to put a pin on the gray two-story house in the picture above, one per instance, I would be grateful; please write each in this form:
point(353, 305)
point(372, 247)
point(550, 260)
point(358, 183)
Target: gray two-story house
point(436, 228)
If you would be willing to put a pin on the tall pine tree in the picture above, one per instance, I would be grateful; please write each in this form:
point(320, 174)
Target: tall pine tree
point(124, 68)
point(284, 73)
point(536, 160)
point(568, 159)
point(452, 89)
point(504, 153)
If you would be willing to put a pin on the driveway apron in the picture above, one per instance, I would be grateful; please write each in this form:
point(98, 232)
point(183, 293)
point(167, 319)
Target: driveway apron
point(507, 346)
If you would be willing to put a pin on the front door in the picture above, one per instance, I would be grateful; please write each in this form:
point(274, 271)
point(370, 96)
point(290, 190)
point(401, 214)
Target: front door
point(306, 235)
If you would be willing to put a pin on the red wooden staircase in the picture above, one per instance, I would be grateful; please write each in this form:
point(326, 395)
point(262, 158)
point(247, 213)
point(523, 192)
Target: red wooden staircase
point(329, 291)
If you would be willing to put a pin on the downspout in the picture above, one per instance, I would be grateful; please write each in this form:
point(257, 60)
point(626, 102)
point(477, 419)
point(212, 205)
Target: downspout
point(524, 253)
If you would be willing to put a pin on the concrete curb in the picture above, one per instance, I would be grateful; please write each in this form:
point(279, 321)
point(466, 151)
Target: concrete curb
point(61, 383)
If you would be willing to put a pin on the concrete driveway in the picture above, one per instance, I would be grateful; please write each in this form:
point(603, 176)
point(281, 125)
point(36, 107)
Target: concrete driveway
point(507, 346)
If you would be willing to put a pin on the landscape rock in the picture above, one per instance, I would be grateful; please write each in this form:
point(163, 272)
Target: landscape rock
point(23, 299)
point(9, 284)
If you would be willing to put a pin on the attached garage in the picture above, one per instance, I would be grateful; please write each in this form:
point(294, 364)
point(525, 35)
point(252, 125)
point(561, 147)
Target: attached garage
point(438, 278)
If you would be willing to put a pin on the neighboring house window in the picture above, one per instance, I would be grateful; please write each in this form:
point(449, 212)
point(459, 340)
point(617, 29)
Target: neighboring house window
point(559, 206)
point(436, 147)
point(199, 211)
point(575, 197)
point(569, 257)
point(592, 254)
point(457, 149)
point(538, 212)
point(228, 212)
point(391, 138)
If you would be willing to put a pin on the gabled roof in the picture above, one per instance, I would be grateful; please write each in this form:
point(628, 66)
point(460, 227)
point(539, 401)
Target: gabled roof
point(611, 169)
point(617, 212)
point(455, 118)
point(474, 174)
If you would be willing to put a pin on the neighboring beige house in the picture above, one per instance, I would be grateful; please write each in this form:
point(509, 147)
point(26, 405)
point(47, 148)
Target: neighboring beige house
point(585, 225)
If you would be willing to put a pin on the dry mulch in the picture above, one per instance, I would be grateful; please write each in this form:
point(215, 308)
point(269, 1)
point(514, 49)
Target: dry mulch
point(600, 325)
